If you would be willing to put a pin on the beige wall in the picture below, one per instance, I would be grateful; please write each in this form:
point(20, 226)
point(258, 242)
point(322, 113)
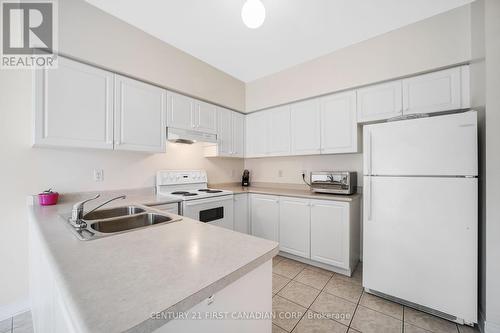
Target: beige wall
point(436, 42)
point(268, 169)
point(94, 36)
point(492, 177)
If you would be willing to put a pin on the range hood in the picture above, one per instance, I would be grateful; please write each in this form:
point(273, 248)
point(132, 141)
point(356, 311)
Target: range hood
point(189, 136)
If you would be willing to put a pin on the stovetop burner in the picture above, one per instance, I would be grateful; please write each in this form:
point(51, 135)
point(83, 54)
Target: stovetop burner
point(207, 190)
point(184, 193)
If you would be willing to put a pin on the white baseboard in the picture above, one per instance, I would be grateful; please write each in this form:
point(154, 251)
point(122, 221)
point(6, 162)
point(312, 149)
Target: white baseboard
point(10, 310)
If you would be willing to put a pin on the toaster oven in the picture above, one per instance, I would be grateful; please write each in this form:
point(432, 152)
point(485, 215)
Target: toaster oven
point(335, 182)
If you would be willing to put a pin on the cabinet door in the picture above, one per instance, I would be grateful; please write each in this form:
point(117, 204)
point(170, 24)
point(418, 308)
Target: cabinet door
point(205, 117)
point(180, 111)
point(339, 129)
point(294, 226)
point(305, 127)
point(279, 131)
point(381, 101)
point(140, 116)
point(433, 92)
point(265, 212)
point(241, 213)
point(224, 132)
point(330, 232)
point(257, 125)
point(73, 106)
point(238, 134)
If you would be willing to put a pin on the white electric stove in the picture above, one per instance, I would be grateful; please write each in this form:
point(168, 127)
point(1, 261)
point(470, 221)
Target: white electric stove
point(198, 201)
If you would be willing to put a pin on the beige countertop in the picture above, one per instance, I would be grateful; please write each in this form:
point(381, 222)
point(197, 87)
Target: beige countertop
point(114, 284)
point(290, 190)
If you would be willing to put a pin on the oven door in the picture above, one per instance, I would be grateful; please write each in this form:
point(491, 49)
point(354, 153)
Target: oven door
point(217, 210)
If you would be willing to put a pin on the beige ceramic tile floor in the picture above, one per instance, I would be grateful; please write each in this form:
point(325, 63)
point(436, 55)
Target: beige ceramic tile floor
point(307, 299)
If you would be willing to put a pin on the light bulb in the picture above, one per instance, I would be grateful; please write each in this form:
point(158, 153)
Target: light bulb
point(253, 13)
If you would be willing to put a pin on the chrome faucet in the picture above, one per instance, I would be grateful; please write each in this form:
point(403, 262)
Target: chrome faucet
point(77, 211)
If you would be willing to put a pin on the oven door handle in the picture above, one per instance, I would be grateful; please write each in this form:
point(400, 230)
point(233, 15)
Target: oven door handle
point(209, 200)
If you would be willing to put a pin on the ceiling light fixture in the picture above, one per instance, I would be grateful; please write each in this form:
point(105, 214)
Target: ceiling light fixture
point(253, 13)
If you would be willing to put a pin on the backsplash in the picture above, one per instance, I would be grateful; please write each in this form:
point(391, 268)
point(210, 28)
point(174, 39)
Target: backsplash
point(289, 169)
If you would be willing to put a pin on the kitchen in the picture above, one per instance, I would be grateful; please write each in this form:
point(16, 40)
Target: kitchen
point(145, 117)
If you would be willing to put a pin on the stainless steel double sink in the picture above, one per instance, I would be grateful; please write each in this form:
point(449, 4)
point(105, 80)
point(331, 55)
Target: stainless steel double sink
point(107, 222)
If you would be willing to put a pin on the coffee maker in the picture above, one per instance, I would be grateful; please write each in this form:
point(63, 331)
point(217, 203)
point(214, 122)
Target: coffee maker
point(245, 180)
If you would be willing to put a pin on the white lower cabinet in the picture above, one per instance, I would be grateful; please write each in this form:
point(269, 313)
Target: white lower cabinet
point(294, 226)
point(330, 233)
point(241, 221)
point(265, 213)
point(250, 294)
point(325, 232)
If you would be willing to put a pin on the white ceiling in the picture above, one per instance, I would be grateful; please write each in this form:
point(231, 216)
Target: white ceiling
point(294, 30)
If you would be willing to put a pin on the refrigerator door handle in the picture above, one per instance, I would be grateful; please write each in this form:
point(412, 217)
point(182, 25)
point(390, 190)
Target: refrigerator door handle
point(369, 199)
point(369, 157)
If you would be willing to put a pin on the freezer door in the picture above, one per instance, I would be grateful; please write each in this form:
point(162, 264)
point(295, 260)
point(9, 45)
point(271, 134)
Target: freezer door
point(442, 145)
point(420, 241)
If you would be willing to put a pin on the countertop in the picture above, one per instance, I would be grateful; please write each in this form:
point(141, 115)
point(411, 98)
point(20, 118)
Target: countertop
point(285, 190)
point(115, 283)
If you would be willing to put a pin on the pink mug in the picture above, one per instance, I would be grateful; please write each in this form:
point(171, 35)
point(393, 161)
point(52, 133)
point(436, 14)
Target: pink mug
point(48, 198)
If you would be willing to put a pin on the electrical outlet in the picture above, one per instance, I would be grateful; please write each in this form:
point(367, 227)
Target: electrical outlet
point(303, 172)
point(98, 175)
point(280, 173)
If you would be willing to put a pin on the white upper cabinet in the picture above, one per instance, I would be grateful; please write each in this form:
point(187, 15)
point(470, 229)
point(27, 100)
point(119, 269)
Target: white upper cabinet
point(140, 116)
point(180, 111)
point(187, 113)
point(224, 132)
point(73, 106)
point(238, 134)
point(339, 128)
point(279, 131)
point(330, 233)
point(230, 135)
point(380, 101)
point(305, 127)
point(433, 92)
point(205, 117)
point(257, 134)
point(294, 226)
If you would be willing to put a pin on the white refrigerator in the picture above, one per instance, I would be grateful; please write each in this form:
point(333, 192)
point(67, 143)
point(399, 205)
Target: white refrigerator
point(420, 213)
